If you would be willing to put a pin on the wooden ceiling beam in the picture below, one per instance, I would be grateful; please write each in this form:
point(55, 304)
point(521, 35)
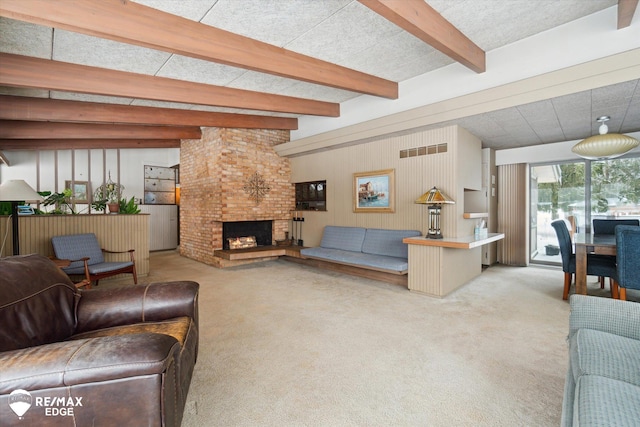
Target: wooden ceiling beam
point(424, 22)
point(133, 23)
point(626, 10)
point(15, 129)
point(26, 71)
point(69, 144)
point(43, 109)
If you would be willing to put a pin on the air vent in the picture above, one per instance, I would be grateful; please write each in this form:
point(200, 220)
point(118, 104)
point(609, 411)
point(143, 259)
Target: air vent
point(423, 151)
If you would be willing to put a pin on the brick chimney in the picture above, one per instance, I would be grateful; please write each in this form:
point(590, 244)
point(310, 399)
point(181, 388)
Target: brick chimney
point(221, 177)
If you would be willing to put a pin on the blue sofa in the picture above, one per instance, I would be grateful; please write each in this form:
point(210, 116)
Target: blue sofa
point(364, 248)
point(603, 380)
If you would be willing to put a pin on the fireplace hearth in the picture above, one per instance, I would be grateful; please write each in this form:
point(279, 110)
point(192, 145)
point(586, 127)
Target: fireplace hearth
point(261, 230)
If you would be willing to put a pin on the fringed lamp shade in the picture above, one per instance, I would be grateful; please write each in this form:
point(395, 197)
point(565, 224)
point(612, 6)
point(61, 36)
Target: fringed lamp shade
point(435, 199)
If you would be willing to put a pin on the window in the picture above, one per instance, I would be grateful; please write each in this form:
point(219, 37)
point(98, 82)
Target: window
point(311, 196)
point(579, 192)
point(159, 185)
point(615, 188)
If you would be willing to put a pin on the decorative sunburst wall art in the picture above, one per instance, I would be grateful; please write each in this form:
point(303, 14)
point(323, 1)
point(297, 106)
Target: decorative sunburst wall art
point(256, 187)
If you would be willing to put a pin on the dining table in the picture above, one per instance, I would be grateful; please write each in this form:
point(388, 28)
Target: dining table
point(589, 243)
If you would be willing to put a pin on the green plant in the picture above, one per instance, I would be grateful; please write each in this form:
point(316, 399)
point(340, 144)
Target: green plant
point(107, 193)
point(100, 205)
point(129, 207)
point(5, 208)
point(61, 201)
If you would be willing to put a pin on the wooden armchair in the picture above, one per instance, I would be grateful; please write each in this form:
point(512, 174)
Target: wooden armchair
point(87, 257)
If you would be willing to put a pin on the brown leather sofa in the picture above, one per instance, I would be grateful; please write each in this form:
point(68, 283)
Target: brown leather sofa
point(122, 356)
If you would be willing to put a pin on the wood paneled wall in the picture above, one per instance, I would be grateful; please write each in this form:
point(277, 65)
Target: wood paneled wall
point(449, 171)
point(513, 214)
point(114, 232)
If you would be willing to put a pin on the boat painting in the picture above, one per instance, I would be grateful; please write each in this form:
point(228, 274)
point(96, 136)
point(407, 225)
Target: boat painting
point(373, 192)
point(368, 194)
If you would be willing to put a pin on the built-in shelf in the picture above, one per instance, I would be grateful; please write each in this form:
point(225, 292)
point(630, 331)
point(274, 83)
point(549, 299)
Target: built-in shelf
point(465, 242)
point(469, 215)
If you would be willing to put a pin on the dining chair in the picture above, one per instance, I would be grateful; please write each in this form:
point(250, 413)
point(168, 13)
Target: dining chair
point(596, 266)
point(608, 226)
point(86, 256)
point(627, 261)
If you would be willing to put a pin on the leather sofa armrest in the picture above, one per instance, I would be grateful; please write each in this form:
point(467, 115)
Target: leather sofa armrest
point(85, 361)
point(104, 308)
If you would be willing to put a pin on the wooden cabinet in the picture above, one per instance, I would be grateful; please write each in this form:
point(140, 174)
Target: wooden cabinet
point(163, 226)
point(435, 265)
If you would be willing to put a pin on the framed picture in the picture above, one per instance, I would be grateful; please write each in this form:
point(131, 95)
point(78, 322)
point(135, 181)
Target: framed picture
point(374, 191)
point(81, 191)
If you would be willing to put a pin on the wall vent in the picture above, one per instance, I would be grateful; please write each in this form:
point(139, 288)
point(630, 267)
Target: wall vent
point(423, 151)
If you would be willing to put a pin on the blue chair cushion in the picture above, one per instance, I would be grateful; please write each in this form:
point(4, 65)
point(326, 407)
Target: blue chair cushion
point(379, 262)
point(345, 238)
point(388, 242)
point(77, 246)
point(104, 267)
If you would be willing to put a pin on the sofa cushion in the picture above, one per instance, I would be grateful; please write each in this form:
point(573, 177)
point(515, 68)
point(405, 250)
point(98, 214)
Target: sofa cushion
point(39, 297)
point(177, 328)
point(376, 262)
point(387, 242)
point(601, 401)
point(345, 238)
point(600, 353)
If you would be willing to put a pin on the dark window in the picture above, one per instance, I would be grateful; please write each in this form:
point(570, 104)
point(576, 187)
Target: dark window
point(311, 196)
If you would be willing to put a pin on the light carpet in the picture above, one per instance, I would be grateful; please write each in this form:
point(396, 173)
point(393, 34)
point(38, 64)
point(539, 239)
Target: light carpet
point(283, 344)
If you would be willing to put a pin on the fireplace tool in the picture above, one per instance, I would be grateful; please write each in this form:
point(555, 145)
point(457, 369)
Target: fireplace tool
point(297, 221)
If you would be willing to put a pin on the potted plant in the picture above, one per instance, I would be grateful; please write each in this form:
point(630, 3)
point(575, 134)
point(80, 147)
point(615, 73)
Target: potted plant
point(129, 206)
point(108, 194)
point(61, 201)
point(552, 250)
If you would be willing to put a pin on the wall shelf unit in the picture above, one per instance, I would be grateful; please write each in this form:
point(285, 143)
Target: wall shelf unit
point(471, 215)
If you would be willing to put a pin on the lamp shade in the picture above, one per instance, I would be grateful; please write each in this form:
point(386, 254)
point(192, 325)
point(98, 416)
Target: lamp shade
point(17, 190)
point(434, 197)
point(607, 146)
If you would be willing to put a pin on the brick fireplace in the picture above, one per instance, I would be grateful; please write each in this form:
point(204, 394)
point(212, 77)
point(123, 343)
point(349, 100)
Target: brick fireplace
point(218, 176)
point(262, 231)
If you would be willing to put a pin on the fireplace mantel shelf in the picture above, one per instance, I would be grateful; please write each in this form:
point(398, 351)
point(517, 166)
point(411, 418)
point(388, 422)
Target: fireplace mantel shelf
point(258, 252)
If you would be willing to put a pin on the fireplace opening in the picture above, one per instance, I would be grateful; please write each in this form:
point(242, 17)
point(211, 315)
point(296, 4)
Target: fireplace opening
point(261, 230)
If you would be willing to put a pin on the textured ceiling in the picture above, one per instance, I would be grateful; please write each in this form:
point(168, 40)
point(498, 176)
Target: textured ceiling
point(349, 34)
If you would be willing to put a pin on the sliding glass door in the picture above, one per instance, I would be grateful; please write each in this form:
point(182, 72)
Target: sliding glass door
point(557, 191)
point(578, 192)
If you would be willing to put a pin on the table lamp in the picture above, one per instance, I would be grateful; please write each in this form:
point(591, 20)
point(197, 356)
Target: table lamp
point(435, 199)
point(17, 191)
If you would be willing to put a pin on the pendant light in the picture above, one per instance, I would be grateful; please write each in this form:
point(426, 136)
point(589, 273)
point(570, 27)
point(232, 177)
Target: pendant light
point(605, 145)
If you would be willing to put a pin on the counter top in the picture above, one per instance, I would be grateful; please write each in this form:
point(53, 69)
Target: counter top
point(466, 242)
